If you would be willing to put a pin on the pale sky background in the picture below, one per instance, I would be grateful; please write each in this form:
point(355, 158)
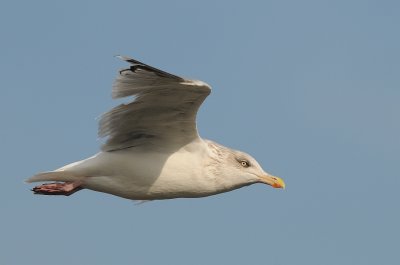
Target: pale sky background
point(309, 88)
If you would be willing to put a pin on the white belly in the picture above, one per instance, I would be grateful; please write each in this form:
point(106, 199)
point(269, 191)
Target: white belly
point(149, 175)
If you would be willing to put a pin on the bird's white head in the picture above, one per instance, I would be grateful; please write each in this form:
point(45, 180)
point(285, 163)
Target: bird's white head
point(247, 167)
point(238, 169)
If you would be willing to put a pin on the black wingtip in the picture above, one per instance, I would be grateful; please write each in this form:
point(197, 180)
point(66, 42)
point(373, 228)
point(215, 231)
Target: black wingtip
point(137, 64)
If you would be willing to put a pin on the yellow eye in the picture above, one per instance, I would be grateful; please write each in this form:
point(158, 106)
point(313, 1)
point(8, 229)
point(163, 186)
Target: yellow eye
point(244, 163)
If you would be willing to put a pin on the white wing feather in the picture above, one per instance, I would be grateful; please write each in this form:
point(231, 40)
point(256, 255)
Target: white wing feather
point(162, 114)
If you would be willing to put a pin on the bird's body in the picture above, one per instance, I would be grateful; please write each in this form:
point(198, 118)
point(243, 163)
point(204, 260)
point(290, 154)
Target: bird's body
point(153, 150)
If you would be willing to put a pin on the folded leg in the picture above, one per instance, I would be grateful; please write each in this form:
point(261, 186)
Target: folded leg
point(58, 188)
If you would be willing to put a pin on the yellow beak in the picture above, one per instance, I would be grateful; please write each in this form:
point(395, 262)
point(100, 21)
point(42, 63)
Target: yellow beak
point(273, 181)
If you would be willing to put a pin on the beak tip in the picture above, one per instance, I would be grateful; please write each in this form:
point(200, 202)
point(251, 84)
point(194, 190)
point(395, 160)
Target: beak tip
point(273, 181)
point(279, 183)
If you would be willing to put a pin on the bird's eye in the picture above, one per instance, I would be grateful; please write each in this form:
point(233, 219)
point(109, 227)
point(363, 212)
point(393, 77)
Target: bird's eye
point(244, 163)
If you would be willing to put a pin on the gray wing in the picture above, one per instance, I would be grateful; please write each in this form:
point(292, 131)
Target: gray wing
point(162, 114)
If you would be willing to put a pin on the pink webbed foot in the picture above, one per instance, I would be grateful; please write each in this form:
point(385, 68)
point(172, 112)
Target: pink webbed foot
point(58, 188)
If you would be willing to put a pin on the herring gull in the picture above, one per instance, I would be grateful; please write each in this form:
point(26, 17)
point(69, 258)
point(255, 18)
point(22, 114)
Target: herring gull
point(152, 149)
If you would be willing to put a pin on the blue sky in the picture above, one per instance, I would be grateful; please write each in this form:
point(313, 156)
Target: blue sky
point(309, 88)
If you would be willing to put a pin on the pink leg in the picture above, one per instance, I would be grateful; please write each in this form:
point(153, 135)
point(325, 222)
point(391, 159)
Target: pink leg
point(58, 188)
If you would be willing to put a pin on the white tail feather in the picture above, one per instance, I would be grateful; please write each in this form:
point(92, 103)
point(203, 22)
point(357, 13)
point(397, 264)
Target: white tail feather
point(54, 176)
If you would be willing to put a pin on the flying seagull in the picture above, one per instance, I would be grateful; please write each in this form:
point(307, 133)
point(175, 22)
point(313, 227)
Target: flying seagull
point(152, 149)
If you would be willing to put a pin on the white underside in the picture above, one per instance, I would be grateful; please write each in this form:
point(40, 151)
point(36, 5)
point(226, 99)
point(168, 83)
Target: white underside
point(139, 175)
